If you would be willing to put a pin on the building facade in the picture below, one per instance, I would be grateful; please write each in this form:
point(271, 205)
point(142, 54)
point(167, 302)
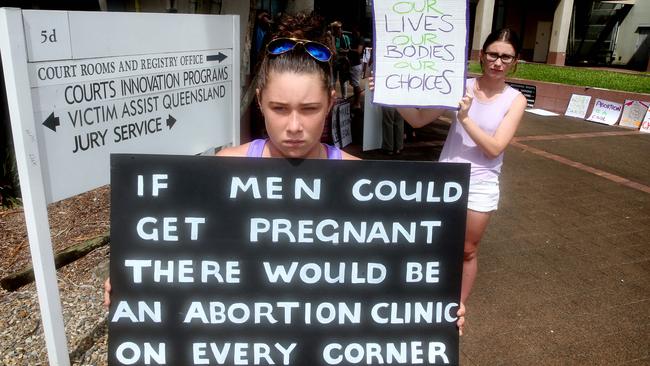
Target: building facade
point(632, 41)
point(558, 32)
point(569, 32)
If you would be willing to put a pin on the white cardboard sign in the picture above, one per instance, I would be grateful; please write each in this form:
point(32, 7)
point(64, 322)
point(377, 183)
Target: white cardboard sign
point(633, 113)
point(372, 133)
point(341, 125)
point(83, 85)
point(645, 125)
point(420, 52)
point(578, 106)
point(605, 112)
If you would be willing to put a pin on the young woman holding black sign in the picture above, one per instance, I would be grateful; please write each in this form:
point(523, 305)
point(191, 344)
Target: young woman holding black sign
point(482, 128)
point(295, 93)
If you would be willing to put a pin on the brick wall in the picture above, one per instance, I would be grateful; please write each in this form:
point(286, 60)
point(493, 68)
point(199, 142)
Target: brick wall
point(555, 97)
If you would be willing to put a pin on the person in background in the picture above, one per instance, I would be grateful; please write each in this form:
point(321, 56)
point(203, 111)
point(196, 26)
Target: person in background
point(354, 56)
point(392, 128)
point(365, 59)
point(262, 33)
point(342, 62)
point(481, 129)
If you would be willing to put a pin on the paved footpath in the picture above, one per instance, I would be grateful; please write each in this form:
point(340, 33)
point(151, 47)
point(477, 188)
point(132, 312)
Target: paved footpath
point(564, 268)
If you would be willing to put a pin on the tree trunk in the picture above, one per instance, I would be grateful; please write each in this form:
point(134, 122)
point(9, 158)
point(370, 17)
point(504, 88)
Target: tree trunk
point(25, 276)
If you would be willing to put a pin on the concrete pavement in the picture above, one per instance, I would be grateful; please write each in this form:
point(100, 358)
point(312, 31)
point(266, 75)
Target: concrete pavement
point(564, 268)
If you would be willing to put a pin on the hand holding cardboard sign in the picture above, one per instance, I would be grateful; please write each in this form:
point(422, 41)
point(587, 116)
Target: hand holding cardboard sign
point(107, 292)
point(461, 318)
point(465, 104)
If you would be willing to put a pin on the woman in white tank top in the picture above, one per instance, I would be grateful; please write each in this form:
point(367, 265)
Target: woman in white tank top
point(486, 121)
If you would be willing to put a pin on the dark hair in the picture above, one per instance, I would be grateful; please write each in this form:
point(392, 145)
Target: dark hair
point(503, 35)
point(301, 26)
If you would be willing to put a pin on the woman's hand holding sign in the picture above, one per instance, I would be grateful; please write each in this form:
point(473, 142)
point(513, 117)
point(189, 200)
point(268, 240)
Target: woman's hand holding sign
point(416, 117)
point(460, 323)
point(107, 292)
point(464, 105)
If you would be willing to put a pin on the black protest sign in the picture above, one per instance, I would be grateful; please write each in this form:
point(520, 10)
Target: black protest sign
point(529, 91)
point(240, 261)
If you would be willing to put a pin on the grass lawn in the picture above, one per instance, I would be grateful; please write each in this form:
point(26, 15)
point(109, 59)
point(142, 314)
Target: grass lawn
point(639, 83)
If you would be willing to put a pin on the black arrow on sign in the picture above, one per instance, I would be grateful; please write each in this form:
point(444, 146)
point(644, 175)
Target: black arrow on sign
point(170, 121)
point(51, 122)
point(218, 57)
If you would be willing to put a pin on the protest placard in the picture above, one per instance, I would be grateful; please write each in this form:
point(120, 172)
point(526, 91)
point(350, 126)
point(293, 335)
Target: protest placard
point(341, 125)
point(287, 262)
point(633, 113)
point(529, 91)
point(645, 125)
point(420, 52)
point(578, 106)
point(605, 112)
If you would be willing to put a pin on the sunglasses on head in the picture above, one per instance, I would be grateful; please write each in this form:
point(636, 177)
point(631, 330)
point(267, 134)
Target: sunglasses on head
point(317, 50)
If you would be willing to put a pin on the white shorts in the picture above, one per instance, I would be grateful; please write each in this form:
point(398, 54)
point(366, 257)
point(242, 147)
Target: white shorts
point(484, 195)
point(355, 75)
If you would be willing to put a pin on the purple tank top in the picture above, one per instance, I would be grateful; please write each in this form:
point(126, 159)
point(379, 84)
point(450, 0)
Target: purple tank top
point(459, 146)
point(256, 148)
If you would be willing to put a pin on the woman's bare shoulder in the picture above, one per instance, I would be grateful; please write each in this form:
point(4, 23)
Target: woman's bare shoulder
point(240, 150)
point(346, 156)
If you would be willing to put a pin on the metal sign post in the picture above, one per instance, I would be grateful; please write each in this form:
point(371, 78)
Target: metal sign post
point(31, 183)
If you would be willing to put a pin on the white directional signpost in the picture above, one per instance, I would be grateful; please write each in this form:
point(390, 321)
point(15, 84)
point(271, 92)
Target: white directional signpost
point(83, 85)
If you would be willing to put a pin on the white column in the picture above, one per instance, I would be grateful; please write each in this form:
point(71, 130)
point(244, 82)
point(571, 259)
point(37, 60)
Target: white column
point(482, 25)
point(560, 33)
